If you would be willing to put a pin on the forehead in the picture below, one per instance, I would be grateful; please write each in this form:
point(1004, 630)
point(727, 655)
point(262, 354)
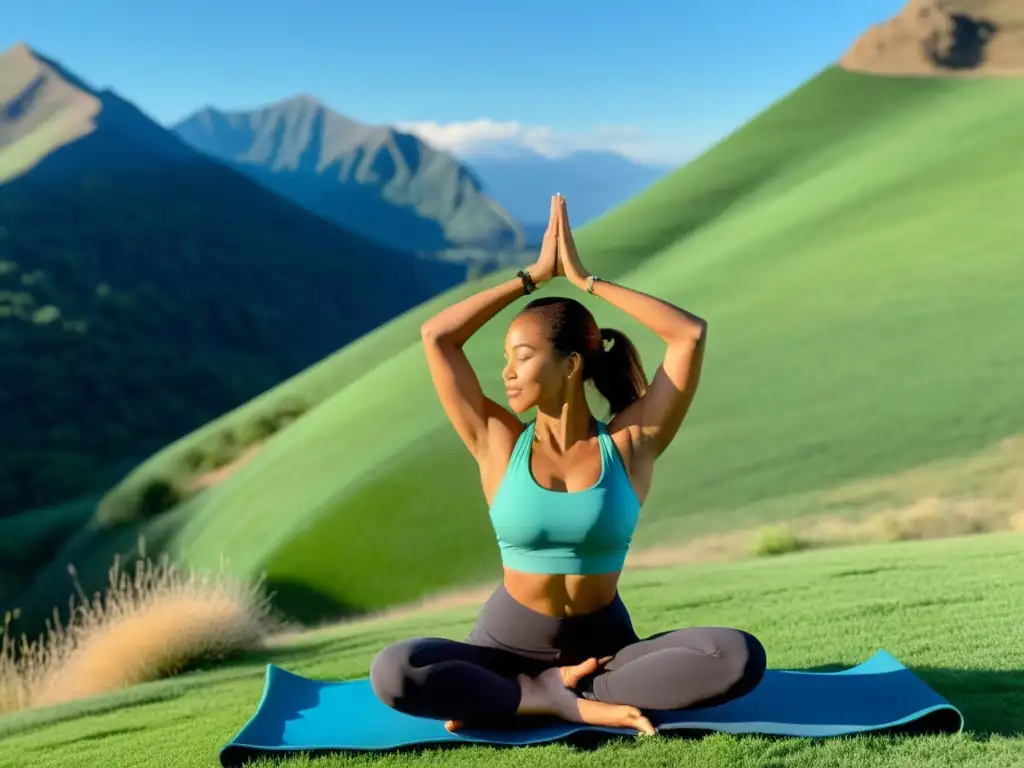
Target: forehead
point(525, 329)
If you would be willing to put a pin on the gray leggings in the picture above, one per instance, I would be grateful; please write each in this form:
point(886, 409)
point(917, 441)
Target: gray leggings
point(478, 680)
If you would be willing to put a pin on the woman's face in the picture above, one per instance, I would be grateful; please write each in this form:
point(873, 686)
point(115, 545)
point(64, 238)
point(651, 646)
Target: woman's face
point(534, 372)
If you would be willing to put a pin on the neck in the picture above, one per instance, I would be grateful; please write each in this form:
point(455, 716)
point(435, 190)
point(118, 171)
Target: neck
point(563, 425)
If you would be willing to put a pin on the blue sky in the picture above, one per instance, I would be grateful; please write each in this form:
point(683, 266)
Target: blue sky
point(657, 79)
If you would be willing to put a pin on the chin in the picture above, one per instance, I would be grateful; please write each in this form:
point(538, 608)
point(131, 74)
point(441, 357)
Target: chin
point(518, 407)
point(518, 403)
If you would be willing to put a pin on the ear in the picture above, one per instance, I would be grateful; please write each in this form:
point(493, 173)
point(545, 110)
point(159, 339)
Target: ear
point(574, 365)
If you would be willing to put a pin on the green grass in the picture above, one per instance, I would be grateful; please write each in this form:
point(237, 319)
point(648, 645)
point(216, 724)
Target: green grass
point(853, 249)
point(950, 610)
point(35, 537)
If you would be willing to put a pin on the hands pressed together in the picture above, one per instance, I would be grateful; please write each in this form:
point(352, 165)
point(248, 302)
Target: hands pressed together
point(558, 254)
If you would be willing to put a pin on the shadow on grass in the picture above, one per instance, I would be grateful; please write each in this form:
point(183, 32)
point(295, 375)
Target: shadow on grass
point(299, 603)
point(78, 740)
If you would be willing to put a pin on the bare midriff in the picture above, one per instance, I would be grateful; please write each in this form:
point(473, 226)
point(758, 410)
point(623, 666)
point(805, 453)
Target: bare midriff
point(562, 595)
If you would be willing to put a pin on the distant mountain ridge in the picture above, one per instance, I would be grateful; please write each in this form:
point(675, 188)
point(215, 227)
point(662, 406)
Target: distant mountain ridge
point(387, 185)
point(45, 108)
point(594, 182)
point(146, 288)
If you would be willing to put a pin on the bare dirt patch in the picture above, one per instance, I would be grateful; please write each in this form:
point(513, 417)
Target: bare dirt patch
point(944, 37)
point(220, 474)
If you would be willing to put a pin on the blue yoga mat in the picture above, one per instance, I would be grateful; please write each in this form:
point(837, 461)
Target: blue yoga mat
point(301, 715)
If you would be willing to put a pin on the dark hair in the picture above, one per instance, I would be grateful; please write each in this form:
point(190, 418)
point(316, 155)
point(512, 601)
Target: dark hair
point(610, 360)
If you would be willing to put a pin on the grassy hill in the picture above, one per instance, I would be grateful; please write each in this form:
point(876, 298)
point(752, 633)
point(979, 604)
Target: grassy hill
point(949, 610)
point(146, 289)
point(854, 249)
point(385, 184)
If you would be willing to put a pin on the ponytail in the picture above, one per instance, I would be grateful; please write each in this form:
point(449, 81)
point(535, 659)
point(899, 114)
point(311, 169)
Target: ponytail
point(616, 371)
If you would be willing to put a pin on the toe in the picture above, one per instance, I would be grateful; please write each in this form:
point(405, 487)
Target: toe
point(643, 725)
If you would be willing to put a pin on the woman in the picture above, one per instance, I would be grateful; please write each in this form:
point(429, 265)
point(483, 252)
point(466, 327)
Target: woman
point(565, 493)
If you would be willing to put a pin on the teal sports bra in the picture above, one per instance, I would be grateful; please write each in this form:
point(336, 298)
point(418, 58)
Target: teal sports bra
point(553, 532)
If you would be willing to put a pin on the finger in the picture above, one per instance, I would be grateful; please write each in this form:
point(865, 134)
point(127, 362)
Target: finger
point(605, 660)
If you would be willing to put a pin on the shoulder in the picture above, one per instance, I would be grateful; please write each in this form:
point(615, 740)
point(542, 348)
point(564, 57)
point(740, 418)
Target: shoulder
point(503, 438)
point(624, 430)
point(626, 438)
point(495, 463)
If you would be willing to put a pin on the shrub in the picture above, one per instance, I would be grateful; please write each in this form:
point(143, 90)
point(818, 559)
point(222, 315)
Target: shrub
point(153, 623)
point(776, 540)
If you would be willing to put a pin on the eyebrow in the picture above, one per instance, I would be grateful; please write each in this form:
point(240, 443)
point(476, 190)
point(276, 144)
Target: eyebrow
point(520, 344)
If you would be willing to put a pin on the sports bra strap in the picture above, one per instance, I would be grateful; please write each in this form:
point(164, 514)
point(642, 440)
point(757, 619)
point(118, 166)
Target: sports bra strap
point(521, 450)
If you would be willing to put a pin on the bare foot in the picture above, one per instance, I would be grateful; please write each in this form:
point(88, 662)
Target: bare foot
point(614, 716)
point(541, 698)
point(597, 713)
point(571, 676)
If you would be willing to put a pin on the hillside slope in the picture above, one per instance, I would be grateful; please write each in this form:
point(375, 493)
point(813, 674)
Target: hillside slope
point(387, 185)
point(855, 251)
point(145, 289)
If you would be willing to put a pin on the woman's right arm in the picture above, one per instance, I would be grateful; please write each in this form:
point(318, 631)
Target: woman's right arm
point(473, 415)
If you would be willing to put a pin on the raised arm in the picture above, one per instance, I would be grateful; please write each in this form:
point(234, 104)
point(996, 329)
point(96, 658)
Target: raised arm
point(474, 416)
point(655, 418)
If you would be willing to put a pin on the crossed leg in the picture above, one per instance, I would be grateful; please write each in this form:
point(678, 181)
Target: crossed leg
point(450, 680)
point(683, 668)
point(460, 682)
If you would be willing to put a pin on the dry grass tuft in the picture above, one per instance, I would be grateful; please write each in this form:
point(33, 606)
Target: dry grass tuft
point(775, 540)
point(154, 622)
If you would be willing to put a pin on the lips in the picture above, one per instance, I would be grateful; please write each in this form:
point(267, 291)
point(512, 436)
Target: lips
point(512, 392)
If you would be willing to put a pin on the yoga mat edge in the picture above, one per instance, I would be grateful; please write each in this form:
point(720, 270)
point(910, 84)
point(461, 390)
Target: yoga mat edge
point(297, 714)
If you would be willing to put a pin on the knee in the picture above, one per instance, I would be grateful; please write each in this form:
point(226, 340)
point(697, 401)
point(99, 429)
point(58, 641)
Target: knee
point(390, 672)
point(740, 655)
point(750, 662)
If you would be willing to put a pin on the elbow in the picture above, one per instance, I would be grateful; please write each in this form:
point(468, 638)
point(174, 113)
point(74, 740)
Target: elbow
point(428, 333)
point(431, 335)
point(699, 330)
point(693, 332)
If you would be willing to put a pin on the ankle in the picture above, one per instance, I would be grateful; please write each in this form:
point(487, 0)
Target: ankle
point(546, 694)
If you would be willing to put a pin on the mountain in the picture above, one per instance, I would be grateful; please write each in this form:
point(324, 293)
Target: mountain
point(927, 37)
point(146, 288)
point(853, 248)
point(594, 182)
point(387, 185)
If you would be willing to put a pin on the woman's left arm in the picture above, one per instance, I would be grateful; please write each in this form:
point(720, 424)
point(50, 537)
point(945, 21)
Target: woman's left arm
point(654, 418)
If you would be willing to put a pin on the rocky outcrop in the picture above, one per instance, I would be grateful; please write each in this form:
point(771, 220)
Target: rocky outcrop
point(944, 37)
